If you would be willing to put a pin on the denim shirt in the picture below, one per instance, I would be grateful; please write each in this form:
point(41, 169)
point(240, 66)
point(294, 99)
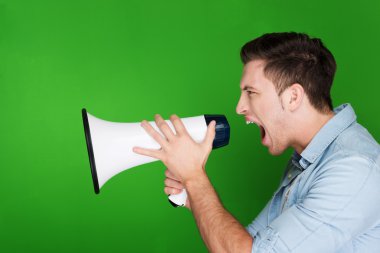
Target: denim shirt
point(329, 197)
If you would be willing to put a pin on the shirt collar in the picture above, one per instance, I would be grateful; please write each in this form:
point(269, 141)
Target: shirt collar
point(344, 117)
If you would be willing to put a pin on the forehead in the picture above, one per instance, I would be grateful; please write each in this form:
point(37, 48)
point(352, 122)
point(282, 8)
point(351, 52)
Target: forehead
point(253, 74)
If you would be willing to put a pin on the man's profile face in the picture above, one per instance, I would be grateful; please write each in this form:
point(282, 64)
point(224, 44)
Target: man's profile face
point(260, 104)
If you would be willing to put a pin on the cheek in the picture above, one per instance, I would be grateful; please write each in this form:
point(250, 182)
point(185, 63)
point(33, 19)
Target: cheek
point(257, 104)
point(267, 111)
point(274, 119)
point(278, 128)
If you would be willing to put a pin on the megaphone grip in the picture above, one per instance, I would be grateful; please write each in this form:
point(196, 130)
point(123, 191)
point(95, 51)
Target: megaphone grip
point(178, 199)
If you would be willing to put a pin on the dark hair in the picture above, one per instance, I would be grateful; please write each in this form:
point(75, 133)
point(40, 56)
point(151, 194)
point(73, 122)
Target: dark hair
point(295, 58)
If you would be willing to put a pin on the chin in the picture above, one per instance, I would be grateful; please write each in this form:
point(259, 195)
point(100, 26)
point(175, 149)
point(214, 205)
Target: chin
point(275, 151)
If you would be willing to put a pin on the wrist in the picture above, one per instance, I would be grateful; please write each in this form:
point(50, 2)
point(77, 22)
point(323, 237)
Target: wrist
point(201, 193)
point(196, 178)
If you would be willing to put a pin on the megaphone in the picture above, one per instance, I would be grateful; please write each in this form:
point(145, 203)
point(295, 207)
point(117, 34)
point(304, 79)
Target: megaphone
point(109, 145)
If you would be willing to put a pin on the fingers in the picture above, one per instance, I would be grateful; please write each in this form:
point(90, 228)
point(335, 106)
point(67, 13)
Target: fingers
point(153, 133)
point(164, 127)
point(173, 183)
point(171, 191)
point(210, 134)
point(148, 152)
point(170, 175)
point(178, 124)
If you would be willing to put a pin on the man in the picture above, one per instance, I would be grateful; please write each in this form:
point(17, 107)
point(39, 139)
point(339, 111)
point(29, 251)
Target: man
point(329, 198)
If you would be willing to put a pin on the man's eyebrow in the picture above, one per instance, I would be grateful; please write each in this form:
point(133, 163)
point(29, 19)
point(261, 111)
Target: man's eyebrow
point(246, 87)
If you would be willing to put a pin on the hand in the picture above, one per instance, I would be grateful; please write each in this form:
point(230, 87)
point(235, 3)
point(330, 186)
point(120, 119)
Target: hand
point(184, 157)
point(173, 186)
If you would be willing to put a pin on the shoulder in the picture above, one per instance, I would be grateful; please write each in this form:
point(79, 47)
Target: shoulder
point(357, 141)
point(351, 160)
point(353, 148)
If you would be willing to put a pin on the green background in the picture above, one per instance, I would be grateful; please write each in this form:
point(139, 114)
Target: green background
point(125, 61)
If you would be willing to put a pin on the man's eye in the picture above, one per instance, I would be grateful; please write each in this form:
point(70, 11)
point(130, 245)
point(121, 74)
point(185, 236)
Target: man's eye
point(250, 92)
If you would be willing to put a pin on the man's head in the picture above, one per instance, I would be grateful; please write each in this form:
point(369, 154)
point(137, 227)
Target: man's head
point(286, 76)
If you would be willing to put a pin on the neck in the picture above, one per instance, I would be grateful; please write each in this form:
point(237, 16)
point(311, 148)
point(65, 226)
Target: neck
point(307, 129)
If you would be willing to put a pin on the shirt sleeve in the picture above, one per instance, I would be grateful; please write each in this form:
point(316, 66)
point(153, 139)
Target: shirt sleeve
point(260, 222)
point(343, 201)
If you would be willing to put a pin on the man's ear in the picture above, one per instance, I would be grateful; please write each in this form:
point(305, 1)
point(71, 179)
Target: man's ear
point(293, 97)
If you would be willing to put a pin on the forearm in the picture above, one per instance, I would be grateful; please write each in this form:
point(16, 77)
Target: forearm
point(220, 231)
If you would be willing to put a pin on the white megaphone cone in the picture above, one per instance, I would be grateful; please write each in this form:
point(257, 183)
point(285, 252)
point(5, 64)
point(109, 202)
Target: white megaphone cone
point(109, 145)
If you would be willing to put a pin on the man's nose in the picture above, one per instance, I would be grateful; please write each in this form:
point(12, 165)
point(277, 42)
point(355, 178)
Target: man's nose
point(240, 107)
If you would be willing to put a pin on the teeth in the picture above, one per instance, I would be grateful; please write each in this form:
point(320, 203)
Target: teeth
point(249, 122)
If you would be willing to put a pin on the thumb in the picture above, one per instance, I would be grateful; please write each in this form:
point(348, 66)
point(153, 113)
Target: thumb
point(210, 134)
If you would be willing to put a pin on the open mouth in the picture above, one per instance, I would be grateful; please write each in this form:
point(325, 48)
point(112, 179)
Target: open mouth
point(262, 132)
point(262, 129)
